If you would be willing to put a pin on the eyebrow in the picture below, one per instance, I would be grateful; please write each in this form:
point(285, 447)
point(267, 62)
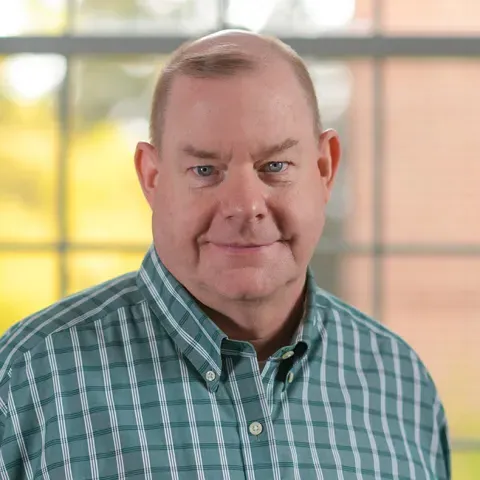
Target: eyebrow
point(272, 150)
point(199, 153)
point(263, 154)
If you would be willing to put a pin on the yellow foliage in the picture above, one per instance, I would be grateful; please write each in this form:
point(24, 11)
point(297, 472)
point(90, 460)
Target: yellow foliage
point(105, 201)
point(29, 282)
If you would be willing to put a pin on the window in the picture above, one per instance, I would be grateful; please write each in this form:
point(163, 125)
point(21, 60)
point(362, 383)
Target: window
point(402, 240)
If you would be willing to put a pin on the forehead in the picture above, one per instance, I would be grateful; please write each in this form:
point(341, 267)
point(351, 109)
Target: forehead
point(268, 102)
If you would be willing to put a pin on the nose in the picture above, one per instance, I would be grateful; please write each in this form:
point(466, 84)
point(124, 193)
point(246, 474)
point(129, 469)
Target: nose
point(244, 196)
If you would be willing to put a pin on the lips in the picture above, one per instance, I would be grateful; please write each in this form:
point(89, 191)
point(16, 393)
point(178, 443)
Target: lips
point(242, 245)
point(242, 249)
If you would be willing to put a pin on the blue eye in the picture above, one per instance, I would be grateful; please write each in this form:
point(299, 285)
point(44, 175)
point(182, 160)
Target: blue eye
point(204, 170)
point(275, 167)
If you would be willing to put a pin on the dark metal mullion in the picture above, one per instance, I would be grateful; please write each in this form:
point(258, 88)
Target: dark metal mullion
point(62, 179)
point(378, 177)
point(325, 247)
point(222, 13)
point(63, 112)
point(377, 19)
point(465, 445)
point(326, 46)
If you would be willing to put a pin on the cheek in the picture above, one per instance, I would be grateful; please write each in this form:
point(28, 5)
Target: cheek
point(305, 213)
point(307, 202)
point(178, 219)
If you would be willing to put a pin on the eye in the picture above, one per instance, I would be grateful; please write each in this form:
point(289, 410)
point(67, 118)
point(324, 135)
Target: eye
point(204, 170)
point(275, 167)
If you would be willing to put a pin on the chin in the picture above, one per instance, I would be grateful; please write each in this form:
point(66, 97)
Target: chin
point(248, 284)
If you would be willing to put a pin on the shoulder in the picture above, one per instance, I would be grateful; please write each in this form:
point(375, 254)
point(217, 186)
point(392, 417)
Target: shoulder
point(378, 361)
point(348, 317)
point(86, 306)
point(376, 342)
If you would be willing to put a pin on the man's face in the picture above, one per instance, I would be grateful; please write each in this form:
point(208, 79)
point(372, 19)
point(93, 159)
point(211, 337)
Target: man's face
point(238, 203)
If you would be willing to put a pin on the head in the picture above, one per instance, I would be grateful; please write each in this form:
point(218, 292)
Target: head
point(239, 170)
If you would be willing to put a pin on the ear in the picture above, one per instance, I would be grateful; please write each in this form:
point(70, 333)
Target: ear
point(329, 159)
point(146, 165)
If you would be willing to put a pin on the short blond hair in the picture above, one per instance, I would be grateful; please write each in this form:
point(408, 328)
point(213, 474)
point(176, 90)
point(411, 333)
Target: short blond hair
point(223, 61)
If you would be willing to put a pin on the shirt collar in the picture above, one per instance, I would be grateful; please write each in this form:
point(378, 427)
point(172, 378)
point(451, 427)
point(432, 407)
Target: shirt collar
point(194, 333)
point(309, 329)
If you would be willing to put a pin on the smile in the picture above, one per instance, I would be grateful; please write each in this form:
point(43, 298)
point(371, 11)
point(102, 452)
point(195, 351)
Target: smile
point(241, 248)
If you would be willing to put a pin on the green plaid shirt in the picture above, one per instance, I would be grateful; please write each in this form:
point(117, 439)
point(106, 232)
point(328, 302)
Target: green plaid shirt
point(130, 379)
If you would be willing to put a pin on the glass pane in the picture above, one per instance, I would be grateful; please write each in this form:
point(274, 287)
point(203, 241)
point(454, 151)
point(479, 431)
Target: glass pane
point(356, 287)
point(110, 114)
point(432, 145)
point(86, 269)
point(32, 17)
point(29, 156)
point(432, 16)
point(466, 466)
point(145, 17)
point(344, 93)
point(28, 282)
point(357, 157)
point(434, 303)
point(348, 277)
point(300, 17)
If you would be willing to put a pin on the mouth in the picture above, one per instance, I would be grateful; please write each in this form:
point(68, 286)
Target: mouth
point(242, 247)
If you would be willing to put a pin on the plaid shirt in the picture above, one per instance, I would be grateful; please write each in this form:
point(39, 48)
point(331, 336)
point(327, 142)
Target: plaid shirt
point(130, 379)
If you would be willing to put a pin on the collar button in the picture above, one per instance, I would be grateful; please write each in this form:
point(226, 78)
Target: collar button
point(210, 376)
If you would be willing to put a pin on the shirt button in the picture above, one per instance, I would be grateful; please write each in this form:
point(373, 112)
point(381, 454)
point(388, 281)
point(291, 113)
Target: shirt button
point(288, 354)
point(290, 377)
point(210, 376)
point(255, 428)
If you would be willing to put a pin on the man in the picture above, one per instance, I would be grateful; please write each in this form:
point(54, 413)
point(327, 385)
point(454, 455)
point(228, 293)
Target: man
point(221, 358)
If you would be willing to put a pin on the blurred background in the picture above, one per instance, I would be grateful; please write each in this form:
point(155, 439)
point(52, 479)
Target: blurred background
point(399, 80)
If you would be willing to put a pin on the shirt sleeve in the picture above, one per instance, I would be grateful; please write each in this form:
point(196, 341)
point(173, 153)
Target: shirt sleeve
point(4, 419)
point(10, 458)
point(440, 454)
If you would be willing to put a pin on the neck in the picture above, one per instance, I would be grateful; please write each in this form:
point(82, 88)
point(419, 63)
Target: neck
point(268, 325)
